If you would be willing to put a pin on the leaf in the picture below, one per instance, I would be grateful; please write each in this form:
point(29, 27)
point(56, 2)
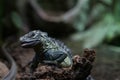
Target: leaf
point(107, 1)
point(96, 36)
point(17, 20)
point(117, 10)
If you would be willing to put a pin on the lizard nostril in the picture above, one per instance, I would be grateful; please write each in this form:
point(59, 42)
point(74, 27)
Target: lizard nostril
point(21, 39)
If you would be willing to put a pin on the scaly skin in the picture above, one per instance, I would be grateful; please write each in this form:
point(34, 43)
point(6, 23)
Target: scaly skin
point(48, 50)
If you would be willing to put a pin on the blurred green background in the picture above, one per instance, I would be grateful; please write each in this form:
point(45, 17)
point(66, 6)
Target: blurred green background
point(79, 23)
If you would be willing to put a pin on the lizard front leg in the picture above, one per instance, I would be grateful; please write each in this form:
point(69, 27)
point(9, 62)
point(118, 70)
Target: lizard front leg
point(55, 58)
point(34, 63)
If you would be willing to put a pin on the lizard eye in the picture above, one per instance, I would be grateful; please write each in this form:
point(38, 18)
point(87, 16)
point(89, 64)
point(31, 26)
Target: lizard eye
point(31, 35)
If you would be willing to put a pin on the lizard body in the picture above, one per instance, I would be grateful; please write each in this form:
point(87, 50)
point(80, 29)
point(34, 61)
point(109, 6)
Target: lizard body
point(47, 49)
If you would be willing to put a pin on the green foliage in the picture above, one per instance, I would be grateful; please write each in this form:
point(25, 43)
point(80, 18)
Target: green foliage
point(84, 17)
point(92, 37)
point(117, 10)
point(17, 20)
point(108, 1)
point(107, 29)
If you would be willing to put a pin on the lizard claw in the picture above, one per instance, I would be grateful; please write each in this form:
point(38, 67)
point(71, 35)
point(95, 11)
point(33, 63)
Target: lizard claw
point(31, 65)
point(50, 62)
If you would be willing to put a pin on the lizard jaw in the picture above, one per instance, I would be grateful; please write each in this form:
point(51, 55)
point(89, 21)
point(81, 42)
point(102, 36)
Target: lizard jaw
point(27, 44)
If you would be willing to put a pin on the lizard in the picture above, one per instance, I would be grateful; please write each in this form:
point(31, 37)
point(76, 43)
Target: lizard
point(47, 50)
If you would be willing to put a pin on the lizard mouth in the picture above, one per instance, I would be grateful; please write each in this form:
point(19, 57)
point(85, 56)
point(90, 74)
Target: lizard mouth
point(25, 44)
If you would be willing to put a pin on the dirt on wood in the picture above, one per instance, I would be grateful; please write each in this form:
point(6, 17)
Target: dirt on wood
point(3, 70)
point(81, 68)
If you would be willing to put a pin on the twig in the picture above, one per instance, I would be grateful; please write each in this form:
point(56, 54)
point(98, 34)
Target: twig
point(66, 17)
point(13, 70)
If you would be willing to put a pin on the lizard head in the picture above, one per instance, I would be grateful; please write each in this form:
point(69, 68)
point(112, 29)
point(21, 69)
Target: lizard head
point(32, 38)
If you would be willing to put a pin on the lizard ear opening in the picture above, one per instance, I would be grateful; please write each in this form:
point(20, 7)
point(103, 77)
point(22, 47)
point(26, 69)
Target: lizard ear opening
point(44, 34)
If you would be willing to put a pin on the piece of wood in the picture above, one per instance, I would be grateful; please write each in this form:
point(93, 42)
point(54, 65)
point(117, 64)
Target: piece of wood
point(80, 70)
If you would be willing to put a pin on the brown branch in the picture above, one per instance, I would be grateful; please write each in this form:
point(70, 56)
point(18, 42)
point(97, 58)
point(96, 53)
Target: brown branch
point(75, 11)
point(11, 75)
point(66, 17)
